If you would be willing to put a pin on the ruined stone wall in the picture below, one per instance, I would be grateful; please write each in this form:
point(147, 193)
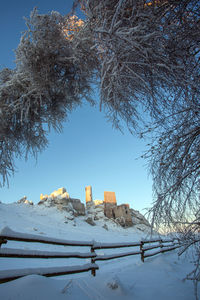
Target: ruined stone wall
point(108, 210)
point(123, 215)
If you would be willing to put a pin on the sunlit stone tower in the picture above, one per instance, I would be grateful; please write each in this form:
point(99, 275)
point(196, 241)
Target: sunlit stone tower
point(109, 197)
point(88, 194)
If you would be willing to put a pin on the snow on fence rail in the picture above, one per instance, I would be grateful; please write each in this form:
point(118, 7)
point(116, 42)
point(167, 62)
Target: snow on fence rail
point(7, 234)
point(171, 245)
point(8, 275)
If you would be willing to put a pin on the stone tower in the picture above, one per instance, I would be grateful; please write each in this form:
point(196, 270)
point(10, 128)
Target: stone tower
point(88, 194)
point(109, 197)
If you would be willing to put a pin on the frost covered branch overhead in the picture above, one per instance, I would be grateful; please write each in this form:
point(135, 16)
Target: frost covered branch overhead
point(53, 73)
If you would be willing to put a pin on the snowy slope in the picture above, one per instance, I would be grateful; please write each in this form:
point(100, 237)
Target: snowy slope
point(159, 277)
point(51, 222)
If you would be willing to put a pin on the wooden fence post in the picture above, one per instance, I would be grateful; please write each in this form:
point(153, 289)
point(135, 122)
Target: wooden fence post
point(142, 250)
point(2, 241)
point(161, 244)
point(93, 271)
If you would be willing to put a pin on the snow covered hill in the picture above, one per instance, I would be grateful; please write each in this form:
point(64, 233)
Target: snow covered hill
point(159, 277)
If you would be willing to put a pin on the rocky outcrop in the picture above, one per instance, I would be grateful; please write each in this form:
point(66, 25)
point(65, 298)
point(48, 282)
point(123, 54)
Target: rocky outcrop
point(138, 218)
point(90, 221)
point(71, 204)
point(63, 202)
point(60, 193)
point(25, 201)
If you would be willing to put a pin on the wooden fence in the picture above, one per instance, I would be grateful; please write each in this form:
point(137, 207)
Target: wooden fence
point(9, 235)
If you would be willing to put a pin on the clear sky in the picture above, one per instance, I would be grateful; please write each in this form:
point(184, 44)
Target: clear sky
point(88, 151)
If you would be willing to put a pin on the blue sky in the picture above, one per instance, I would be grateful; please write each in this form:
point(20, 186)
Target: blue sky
point(88, 151)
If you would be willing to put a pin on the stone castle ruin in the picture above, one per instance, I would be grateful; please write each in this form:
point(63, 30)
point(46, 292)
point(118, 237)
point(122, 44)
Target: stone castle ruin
point(94, 210)
point(120, 213)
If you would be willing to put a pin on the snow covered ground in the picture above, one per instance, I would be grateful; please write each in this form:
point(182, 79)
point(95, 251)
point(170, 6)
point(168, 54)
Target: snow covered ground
point(159, 277)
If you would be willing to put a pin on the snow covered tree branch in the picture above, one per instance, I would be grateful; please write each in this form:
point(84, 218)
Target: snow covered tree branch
point(53, 73)
point(149, 54)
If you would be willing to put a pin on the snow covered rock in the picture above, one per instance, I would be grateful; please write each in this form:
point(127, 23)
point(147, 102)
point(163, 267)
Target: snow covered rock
point(138, 218)
point(70, 205)
point(90, 221)
point(105, 226)
point(25, 201)
point(61, 200)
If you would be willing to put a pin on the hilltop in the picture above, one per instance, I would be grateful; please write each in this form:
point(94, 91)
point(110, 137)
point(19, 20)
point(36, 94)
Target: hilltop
point(53, 222)
point(105, 213)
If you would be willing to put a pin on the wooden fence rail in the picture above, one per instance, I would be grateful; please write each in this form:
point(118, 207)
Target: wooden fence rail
point(9, 235)
point(163, 248)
